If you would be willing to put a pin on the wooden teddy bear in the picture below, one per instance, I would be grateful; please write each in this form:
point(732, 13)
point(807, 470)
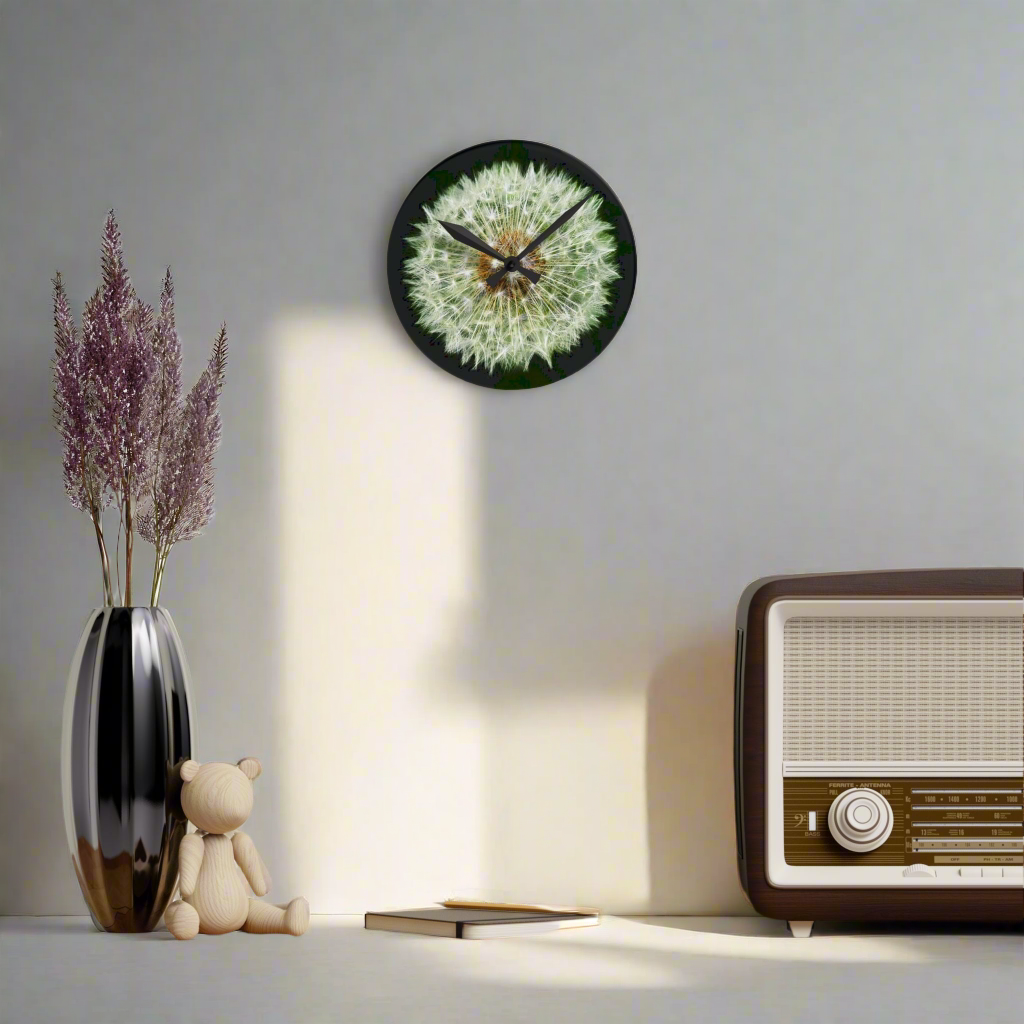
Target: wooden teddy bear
point(217, 799)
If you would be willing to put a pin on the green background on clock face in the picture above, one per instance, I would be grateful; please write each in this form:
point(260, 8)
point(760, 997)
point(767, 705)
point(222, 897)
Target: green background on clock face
point(471, 161)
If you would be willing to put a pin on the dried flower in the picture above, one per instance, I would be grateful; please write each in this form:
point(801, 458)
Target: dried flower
point(152, 519)
point(120, 364)
point(181, 503)
point(198, 440)
point(167, 349)
point(128, 437)
point(120, 368)
point(72, 412)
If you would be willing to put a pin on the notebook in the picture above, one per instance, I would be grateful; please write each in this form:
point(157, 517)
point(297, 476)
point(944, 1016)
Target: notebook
point(470, 923)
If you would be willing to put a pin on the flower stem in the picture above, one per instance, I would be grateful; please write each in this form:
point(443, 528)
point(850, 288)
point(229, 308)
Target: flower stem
point(158, 573)
point(108, 593)
point(96, 516)
point(117, 550)
point(129, 536)
point(154, 592)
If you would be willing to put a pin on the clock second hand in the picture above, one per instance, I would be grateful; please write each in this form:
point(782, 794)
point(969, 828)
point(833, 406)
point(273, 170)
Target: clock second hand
point(466, 237)
point(513, 264)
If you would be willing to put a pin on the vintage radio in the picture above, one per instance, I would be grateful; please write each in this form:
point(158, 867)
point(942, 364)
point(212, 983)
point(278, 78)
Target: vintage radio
point(879, 746)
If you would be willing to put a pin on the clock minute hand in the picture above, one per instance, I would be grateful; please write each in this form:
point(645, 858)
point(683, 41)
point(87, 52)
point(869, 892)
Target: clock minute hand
point(554, 227)
point(546, 233)
point(466, 237)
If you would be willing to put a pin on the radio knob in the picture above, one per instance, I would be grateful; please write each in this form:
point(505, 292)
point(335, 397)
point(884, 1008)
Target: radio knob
point(919, 871)
point(860, 820)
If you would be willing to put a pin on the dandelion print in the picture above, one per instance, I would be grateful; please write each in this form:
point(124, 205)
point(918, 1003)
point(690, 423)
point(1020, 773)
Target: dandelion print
point(503, 327)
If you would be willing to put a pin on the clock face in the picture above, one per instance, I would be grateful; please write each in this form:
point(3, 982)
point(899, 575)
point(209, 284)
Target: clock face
point(511, 264)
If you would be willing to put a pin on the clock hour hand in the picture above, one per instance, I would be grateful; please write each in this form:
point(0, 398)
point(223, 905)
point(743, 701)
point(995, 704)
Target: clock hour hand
point(545, 234)
point(466, 237)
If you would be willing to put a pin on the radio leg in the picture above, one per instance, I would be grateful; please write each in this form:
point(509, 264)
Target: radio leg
point(800, 929)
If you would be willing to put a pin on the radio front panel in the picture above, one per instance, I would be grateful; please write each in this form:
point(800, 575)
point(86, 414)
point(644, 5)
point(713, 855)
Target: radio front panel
point(894, 743)
point(963, 828)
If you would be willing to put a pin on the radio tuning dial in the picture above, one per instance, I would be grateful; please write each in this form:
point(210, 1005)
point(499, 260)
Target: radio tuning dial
point(860, 820)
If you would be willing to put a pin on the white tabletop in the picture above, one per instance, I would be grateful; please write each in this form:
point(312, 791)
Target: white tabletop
point(627, 969)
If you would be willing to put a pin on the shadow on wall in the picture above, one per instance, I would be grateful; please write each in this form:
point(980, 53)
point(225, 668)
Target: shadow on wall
point(690, 822)
point(466, 702)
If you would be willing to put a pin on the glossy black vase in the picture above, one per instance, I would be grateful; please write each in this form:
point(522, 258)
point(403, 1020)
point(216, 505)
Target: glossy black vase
point(127, 729)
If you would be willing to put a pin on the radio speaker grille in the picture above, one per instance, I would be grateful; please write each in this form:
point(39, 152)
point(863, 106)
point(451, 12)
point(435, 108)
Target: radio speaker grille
point(903, 689)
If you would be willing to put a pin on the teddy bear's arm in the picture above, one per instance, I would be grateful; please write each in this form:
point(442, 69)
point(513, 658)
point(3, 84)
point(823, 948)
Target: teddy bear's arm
point(190, 858)
point(248, 859)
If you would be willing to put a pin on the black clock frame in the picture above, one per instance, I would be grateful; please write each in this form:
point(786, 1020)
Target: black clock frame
point(470, 161)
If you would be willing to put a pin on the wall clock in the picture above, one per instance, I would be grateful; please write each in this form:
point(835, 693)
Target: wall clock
point(511, 264)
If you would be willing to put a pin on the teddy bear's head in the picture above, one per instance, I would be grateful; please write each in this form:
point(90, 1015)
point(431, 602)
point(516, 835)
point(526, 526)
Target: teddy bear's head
point(217, 796)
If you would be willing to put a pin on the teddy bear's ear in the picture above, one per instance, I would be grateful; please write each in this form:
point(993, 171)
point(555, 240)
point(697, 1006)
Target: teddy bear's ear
point(188, 770)
point(252, 768)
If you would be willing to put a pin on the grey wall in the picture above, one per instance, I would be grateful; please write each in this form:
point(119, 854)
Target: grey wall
point(821, 369)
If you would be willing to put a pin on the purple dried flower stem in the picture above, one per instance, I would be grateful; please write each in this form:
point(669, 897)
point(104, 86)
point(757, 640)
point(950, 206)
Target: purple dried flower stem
point(158, 573)
point(90, 488)
point(108, 592)
point(117, 549)
point(184, 489)
point(129, 537)
point(127, 435)
point(122, 364)
point(167, 347)
point(71, 413)
point(94, 515)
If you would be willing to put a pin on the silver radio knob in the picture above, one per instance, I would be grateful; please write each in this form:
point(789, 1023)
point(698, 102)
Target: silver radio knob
point(860, 820)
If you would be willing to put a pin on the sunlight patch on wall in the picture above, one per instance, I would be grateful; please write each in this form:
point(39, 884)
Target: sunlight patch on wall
point(567, 819)
point(378, 465)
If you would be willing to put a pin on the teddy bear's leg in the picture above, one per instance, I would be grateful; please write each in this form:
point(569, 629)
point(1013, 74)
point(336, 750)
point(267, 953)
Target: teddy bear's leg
point(296, 916)
point(283, 918)
point(182, 920)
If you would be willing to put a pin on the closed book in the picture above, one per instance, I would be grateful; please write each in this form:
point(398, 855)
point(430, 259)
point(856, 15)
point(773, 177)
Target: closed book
point(465, 923)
